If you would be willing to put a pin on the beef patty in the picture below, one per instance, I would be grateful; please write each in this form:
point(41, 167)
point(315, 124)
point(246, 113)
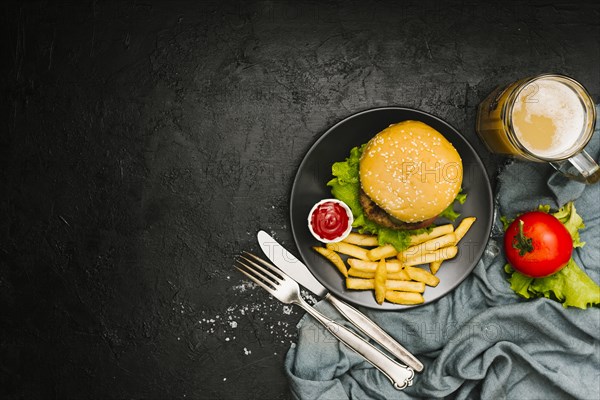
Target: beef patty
point(378, 215)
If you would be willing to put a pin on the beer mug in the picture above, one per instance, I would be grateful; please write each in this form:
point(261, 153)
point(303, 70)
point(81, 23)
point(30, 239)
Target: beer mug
point(545, 118)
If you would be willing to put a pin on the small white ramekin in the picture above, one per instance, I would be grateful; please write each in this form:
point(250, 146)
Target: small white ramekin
point(346, 232)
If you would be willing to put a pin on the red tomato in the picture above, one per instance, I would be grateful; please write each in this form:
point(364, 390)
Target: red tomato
point(537, 244)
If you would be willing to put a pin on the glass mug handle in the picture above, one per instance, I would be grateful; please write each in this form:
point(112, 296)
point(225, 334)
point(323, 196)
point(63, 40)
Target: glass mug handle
point(581, 167)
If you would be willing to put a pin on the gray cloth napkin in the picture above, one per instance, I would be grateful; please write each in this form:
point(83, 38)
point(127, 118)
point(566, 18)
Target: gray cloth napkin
point(481, 340)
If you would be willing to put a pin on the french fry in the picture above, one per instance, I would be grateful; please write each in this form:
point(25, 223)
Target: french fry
point(435, 232)
point(435, 266)
point(390, 284)
point(405, 286)
point(420, 275)
point(361, 240)
point(463, 227)
point(359, 273)
point(334, 258)
point(370, 266)
point(438, 255)
point(399, 276)
point(380, 278)
point(440, 242)
point(385, 251)
point(406, 298)
point(396, 280)
point(428, 246)
point(349, 249)
point(360, 284)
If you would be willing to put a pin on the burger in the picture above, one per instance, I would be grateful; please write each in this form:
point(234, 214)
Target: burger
point(409, 174)
point(402, 180)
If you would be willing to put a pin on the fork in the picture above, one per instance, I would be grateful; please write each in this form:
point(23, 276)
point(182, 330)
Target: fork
point(286, 290)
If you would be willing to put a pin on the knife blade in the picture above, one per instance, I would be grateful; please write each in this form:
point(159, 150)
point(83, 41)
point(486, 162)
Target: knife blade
point(289, 264)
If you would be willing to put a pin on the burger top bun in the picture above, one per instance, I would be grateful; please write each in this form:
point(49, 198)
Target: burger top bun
point(411, 171)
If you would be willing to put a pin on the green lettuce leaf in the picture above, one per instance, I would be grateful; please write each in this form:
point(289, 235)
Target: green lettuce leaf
point(449, 213)
point(544, 208)
point(572, 221)
point(461, 197)
point(345, 186)
point(571, 285)
point(518, 282)
point(505, 222)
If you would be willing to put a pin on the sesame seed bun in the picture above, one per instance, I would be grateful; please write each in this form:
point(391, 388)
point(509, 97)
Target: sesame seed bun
point(411, 171)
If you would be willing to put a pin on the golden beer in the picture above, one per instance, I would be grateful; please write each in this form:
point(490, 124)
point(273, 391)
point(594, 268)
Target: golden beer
point(545, 118)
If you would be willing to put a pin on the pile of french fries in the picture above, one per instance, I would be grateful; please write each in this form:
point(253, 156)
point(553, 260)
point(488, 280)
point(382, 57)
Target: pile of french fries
point(395, 276)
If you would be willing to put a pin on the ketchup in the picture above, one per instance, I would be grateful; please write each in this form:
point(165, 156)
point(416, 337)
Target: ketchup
point(329, 220)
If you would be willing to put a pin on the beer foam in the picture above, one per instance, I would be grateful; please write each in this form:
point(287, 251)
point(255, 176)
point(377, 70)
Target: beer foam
point(548, 118)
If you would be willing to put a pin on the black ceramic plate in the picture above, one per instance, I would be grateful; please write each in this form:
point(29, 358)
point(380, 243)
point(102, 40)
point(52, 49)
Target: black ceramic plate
point(315, 171)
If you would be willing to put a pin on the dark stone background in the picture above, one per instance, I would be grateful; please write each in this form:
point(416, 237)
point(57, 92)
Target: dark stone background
point(144, 143)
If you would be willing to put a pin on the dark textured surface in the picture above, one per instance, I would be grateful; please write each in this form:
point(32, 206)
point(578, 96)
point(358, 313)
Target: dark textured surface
point(144, 143)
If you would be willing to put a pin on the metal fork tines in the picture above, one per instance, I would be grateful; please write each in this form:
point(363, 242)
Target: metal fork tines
point(286, 290)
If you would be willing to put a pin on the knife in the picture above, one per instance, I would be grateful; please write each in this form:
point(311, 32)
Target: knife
point(289, 264)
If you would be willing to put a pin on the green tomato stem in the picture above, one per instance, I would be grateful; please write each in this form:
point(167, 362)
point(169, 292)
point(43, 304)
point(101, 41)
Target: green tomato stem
point(521, 242)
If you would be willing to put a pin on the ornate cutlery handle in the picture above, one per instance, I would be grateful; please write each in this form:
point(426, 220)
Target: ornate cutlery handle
point(400, 375)
point(372, 330)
